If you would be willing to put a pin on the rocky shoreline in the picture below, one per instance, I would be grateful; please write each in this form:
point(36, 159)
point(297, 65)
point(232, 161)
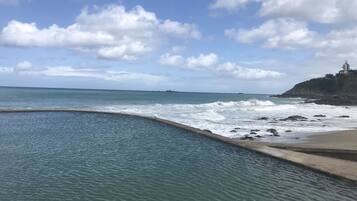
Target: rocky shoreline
point(272, 132)
point(337, 100)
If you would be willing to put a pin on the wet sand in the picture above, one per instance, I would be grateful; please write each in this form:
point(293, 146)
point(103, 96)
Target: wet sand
point(346, 140)
point(336, 144)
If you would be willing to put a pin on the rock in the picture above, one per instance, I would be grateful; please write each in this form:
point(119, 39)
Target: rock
point(273, 131)
point(288, 131)
point(255, 130)
point(236, 128)
point(233, 131)
point(319, 115)
point(263, 118)
point(295, 118)
point(344, 116)
point(208, 131)
point(253, 133)
point(258, 136)
point(247, 137)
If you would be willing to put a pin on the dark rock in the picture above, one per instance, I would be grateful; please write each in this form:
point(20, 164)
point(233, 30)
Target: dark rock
point(258, 136)
point(295, 118)
point(254, 130)
point(319, 115)
point(273, 131)
point(247, 137)
point(253, 133)
point(263, 118)
point(237, 128)
point(338, 89)
point(288, 131)
point(208, 131)
point(344, 116)
point(233, 131)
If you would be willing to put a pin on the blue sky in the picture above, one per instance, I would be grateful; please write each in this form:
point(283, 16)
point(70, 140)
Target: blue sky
point(256, 46)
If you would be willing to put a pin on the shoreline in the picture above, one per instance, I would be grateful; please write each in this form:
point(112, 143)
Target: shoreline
point(336, 144)
point(338, 168)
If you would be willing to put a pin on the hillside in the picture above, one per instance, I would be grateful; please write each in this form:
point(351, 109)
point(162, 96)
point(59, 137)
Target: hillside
point(339, 89)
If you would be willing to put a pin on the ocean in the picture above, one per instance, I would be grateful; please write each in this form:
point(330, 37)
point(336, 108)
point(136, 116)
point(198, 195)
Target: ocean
point(78, 156)
point(229, 114)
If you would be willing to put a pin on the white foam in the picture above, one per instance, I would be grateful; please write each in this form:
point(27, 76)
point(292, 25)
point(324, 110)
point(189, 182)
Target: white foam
point(222, 117)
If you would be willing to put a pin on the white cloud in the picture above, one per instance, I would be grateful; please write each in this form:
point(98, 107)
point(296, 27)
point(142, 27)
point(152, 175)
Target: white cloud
point(202, 61)
point(182, 30)
point(326, 11)
point(238, 71)
point(292, 34)
point(281, 33)
point(172, 60)
point(9, 2)
point(26, 68)
point(24, 65)
point(210, 62)
point(229, 4)
point(110, 32)
point(5, 70)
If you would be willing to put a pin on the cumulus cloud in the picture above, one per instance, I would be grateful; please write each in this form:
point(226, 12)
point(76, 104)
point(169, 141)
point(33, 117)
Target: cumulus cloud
point(238, 71)
point(328, 11)
point(201, 61)
point(172, 60)
point(229, 4)
point(182, 30)
point(26, 68)
point(110, 32)
point(210, 62)
point(292, 34)
point(282, 33)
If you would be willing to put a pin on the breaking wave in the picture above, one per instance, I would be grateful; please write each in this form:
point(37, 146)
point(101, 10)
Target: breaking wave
point(238, 118)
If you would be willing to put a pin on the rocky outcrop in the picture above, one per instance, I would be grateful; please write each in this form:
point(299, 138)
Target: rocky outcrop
point(294, 118)
point(339, 89)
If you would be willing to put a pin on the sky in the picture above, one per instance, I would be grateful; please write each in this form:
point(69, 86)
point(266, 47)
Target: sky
point(248, 46)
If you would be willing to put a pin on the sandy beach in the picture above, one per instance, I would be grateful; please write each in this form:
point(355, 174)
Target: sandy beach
point(336, 144)
point(346, 140)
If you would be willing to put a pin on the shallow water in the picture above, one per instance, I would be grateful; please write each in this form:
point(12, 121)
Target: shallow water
point(82, 156)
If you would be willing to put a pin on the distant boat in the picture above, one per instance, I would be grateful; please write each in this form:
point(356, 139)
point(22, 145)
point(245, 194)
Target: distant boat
point(171, 91)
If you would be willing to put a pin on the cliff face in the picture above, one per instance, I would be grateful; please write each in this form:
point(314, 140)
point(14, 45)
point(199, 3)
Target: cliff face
point(339, 89)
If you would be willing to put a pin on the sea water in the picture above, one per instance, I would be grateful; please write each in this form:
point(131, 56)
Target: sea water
point(47, 156)
point(228, 114)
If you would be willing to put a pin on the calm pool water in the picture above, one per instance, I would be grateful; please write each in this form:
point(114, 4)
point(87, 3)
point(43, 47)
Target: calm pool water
point(83, 156)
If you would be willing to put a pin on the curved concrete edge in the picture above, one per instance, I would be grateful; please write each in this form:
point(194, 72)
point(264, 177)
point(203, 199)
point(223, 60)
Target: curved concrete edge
point(342, 169)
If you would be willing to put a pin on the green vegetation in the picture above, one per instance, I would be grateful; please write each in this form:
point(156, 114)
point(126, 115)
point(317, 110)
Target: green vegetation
point(339, 89)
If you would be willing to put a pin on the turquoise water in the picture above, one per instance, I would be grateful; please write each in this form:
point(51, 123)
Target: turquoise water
point(83, 156)
point(47, 97)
